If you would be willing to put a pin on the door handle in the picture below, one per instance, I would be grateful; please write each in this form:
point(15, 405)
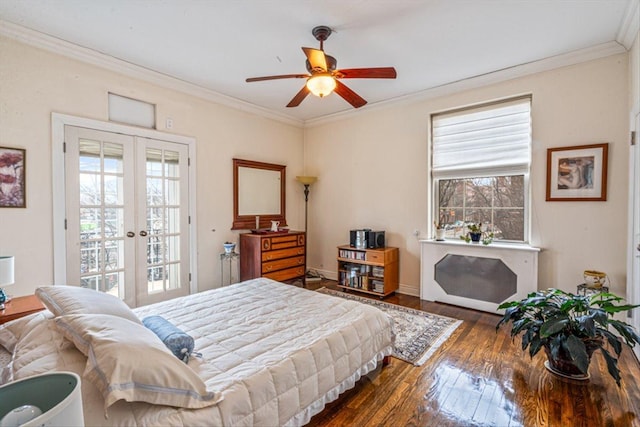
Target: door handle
point(143, 233)
point(131, 234)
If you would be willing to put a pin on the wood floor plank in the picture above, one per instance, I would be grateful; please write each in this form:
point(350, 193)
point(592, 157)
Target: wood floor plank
point(481, 378)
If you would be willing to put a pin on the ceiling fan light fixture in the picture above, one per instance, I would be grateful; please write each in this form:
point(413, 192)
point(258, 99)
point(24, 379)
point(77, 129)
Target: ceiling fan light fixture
point(321, 85)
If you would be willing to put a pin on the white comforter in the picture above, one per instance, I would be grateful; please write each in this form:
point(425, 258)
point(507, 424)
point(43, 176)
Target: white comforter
point(276, 352)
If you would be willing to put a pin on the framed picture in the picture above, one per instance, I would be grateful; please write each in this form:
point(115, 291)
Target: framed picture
point(577, 173)
point(12, 178)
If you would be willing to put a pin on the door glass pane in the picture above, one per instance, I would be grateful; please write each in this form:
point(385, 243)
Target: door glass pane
point(90, 189)
point(173, 276)
point(91, 282)
point(113, 190)
point(172, 165)
point(173, 248)
point(113, 283)
point(113, 162)
point(155, 279)
point(155, 222)
point(114, 254)
point(114, 222)
point(89, 155)
point(154, 162)
point(154, 192)
point(90, 223)
point(173, 220)
point(173, 192)
point(90, 256)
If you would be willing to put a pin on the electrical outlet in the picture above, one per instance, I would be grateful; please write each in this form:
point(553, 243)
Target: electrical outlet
point(168, 123)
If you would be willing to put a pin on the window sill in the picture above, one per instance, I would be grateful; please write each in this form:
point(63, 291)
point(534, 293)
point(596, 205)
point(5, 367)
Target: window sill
point(494, 245)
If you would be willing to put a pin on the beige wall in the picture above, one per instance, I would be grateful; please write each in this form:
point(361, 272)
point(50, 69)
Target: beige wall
point(35, 83)
point(372, 173)
point(371, 166)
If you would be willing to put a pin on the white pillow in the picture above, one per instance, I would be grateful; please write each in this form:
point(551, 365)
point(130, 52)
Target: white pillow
point(128, 361)
point(63, 300)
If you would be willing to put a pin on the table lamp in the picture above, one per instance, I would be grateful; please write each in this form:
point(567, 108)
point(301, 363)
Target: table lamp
point(6, 277)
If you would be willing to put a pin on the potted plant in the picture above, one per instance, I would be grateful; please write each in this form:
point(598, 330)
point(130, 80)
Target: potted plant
point(475, 234)
point(570, 328)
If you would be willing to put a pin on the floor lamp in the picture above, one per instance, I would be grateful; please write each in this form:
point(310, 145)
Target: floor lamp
point(306, 181)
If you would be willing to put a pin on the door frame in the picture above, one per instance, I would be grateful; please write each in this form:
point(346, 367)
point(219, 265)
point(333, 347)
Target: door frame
point(58, 122)
point(633, 272)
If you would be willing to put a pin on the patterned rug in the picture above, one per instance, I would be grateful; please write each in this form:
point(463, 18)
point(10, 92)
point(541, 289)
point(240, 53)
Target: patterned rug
point(418, 333)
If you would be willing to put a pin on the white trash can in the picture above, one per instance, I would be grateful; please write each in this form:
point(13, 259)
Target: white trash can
point(52, 399)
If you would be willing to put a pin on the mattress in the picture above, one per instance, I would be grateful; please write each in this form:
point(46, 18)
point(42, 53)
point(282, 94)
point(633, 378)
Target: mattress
point(276, 353)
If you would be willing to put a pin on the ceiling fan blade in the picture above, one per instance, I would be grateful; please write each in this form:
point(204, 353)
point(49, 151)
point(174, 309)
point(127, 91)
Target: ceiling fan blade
point(283, 76)
point(300, 96)
point(316, 58)
point(350, 96)
point(367, 73)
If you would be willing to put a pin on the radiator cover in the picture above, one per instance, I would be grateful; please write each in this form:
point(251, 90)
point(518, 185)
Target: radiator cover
point(477, 276)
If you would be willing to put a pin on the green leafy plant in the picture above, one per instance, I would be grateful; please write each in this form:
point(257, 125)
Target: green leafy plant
point(570, 328)
point(472, 228)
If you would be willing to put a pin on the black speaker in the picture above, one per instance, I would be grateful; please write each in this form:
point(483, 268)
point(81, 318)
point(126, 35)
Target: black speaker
point(375, 239)
point(352, 238)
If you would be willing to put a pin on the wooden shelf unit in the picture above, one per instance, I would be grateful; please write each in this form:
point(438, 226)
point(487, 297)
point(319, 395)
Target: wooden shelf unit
point(278, 256)
point(371, 271)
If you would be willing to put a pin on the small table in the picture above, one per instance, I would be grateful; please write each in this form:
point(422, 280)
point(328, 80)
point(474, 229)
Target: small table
point(584, 289)
point(230, 257)
point(19, 307)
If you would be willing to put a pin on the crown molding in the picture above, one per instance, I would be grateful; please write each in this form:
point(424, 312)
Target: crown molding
point(547, 64)
point(92, 57)
point(628, 30)
point(630, 25)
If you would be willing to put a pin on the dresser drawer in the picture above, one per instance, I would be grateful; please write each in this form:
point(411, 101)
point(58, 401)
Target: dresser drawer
point(281, 264)
point(287, 274)
point(282, 253)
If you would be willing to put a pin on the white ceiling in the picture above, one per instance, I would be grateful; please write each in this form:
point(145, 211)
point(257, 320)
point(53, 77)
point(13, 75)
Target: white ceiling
point(217, 44)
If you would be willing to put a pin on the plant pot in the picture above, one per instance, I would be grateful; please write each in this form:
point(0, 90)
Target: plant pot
point(475, 237)
point(440, 232)
point(564, 366)
point(229, 247)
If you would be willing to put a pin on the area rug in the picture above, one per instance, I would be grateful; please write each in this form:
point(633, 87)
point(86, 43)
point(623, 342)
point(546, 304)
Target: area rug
point(418, 333)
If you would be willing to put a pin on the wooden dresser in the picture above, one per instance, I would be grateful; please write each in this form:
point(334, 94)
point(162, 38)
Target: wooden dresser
point(278, 256)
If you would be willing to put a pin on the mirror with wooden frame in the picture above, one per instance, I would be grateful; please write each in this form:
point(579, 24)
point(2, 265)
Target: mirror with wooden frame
point(258, 190)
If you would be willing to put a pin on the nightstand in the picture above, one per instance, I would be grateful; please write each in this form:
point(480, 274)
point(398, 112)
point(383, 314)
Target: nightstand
point(19, 307)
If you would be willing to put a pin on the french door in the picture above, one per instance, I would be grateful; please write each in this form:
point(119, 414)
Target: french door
point(127, 220)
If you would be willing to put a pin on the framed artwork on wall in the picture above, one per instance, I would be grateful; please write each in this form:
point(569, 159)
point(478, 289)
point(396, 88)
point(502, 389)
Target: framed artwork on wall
point(577, 173)
point(12, 178)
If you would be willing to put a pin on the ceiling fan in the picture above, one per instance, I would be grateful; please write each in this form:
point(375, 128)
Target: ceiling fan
point(324, 78)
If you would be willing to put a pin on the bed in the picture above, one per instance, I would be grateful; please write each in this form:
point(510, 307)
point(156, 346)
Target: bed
point(272, 354)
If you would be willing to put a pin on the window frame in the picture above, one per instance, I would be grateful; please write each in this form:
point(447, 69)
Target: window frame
point(484, 173)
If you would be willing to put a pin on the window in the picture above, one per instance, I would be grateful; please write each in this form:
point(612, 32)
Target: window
point(480, 168)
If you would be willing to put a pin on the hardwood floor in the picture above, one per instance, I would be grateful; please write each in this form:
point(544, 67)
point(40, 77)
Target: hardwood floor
point(480, 378)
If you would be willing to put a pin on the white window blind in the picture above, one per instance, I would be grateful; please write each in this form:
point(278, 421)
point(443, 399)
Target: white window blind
point(493, 139)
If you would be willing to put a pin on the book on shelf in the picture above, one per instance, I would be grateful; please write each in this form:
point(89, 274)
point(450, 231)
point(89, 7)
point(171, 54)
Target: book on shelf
point(357, 255)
